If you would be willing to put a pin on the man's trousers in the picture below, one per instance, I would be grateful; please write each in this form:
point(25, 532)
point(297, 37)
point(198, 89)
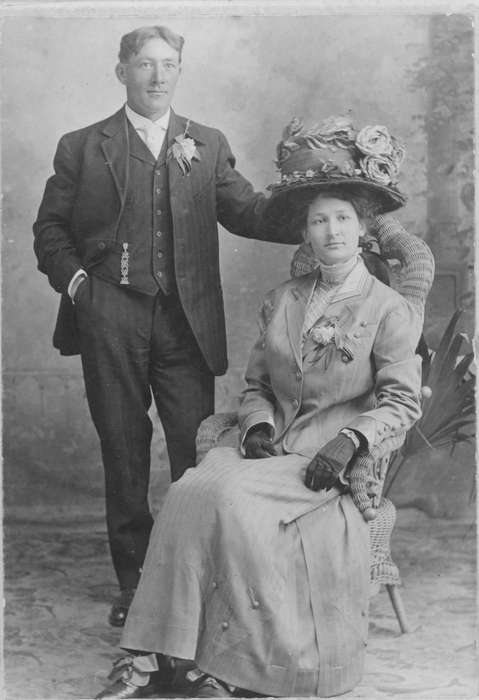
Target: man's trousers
point(132, 346)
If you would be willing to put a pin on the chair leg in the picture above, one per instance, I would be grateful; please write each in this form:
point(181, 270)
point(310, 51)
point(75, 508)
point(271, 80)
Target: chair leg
point(398, 607)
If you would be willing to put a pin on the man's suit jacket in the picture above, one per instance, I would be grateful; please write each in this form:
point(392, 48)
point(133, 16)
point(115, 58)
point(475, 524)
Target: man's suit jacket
point(372, 386)
point(83, 203)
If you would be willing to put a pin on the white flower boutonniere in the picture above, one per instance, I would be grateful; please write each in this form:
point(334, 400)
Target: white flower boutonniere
point(322, 335)
point(328, 332)
point(184, 150)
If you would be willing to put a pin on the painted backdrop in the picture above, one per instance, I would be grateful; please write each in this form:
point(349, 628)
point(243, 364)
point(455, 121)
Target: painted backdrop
point(247, 75)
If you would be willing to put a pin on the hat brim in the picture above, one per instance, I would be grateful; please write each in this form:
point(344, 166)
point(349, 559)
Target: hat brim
point(282, 207)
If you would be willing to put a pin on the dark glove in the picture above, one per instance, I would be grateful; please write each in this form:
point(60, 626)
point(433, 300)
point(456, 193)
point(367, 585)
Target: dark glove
point(323, 470)
point(259, 442)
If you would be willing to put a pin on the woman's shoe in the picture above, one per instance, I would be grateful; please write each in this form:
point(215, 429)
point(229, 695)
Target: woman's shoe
point(209, 687)
point(136, 677)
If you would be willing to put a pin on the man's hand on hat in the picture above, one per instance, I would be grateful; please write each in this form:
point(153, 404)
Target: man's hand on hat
point(258, 443)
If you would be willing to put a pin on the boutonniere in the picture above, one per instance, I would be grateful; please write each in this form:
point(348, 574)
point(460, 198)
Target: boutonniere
point(327, 332)
point(183, 150)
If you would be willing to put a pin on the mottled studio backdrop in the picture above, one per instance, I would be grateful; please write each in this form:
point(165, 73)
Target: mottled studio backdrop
point(247, 75)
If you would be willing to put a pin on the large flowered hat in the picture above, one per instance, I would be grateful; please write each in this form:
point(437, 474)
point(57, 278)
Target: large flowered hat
point(330, 154)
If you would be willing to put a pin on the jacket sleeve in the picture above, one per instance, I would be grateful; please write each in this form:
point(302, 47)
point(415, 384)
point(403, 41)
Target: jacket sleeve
point(238, 207)
point(258, 400)
point(414, 255)
point(397, 381)
point(53, 243)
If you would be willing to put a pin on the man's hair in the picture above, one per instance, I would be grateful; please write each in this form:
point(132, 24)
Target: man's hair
point(132, 43)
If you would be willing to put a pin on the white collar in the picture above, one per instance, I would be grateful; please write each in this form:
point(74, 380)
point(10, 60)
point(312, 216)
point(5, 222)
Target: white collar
point(141, 122)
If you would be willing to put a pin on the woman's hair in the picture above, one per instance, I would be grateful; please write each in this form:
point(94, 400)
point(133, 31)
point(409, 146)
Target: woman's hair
point(365, 206)
point(132, 43)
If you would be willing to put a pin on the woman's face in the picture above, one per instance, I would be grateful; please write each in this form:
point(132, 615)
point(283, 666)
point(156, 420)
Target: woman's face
point(333, 229)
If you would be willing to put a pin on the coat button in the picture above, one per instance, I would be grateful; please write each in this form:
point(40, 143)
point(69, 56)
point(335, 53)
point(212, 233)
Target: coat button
point(295, 403)
point(255, 605)
point(214, 584)
point(298, 375)
point(345, 358)
point(356, 335)
point(159, 274)
point(160, 254)
point(224, 625)
point(102, 245)
point(363, 323)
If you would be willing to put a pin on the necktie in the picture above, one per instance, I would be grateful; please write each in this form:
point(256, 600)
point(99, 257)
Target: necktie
point(153, 135)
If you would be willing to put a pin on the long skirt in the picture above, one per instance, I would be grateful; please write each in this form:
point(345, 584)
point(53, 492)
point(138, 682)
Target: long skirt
point(261, 581)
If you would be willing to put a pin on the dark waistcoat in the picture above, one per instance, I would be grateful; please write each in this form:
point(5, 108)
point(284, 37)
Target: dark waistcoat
point(142, 256)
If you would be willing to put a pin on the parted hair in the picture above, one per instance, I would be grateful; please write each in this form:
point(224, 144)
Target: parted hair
point(365, 206)
point(132, 43)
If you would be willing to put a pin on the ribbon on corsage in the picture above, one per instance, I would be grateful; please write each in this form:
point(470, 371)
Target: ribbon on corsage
point(183, 150)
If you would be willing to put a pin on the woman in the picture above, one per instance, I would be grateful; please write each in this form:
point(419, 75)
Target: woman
point(258, 564)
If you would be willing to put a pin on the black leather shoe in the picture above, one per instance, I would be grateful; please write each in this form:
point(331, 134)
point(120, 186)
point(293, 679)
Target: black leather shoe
point(120, 607)
point(123, 687)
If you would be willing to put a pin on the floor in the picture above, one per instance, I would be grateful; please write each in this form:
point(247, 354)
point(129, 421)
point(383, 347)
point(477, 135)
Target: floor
point(58, 585)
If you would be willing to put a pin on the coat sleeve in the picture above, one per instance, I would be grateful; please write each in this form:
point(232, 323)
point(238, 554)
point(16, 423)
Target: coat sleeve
point(397, 381)
point(53, 244)
point(238, 207)
point(258, 400)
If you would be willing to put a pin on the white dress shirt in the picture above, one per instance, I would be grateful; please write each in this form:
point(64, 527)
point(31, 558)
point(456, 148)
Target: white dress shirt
point(151, 132)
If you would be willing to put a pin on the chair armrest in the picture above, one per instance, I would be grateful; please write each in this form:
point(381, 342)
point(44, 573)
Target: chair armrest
point(210, 431)
point(366, 479)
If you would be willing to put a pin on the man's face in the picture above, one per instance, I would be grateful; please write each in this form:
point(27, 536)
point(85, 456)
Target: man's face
point(150, 78)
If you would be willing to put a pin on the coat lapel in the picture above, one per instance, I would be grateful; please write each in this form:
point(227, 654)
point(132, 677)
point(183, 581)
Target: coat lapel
point(343, 306)
point(116, 147)
point(299, 296)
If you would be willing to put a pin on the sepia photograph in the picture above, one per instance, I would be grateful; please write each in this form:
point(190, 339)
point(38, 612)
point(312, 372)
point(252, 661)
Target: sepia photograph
point(238, 322)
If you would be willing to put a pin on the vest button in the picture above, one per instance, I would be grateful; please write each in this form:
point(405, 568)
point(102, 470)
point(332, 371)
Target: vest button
point(160, 254)
point(157, 171)
point(159, 274)
point(158, 190)
point(224, 625)
point(158, 233)
point(158, 212)
point(295, 403)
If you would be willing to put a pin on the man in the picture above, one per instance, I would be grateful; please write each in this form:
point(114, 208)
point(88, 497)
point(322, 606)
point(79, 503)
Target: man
point(127, 233)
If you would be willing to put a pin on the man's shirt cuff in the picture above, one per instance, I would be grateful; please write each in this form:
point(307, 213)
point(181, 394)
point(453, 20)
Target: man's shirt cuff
point(72, 287)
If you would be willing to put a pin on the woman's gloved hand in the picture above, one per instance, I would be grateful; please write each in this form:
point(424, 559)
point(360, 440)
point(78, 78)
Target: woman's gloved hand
point(259, 442)
point(323, 470)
